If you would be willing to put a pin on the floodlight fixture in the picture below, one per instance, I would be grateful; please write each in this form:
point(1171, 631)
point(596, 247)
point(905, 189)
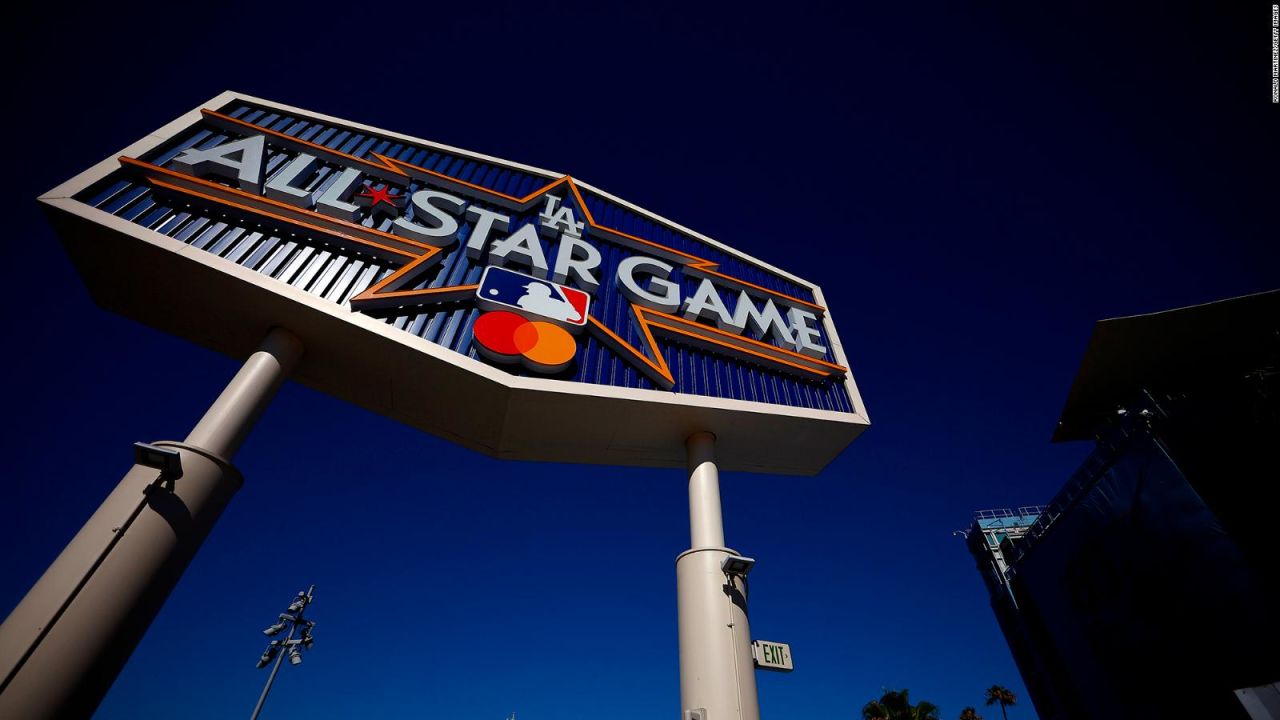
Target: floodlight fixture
point(267, 655)
point(737, 565)
point(167, 460)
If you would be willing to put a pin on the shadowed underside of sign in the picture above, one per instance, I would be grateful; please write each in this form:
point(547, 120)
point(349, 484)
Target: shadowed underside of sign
point(628, 330)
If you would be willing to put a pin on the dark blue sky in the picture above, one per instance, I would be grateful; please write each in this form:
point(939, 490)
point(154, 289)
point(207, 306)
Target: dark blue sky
point(972, 188)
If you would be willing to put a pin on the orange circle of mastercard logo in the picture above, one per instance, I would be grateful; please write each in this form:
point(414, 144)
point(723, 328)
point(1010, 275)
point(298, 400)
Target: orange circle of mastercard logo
point(506, 337)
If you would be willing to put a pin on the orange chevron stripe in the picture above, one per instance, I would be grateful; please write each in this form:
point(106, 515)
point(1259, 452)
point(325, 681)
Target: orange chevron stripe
point(669, 318)
point(656, 369)
point(227, 121)
point(761, 356)
point(337, 235)
point(403, 169)
point(280, 211)
point(756, 348)
point(383, 164)
point(692, 262)
point(520, 203)
point(385, 293)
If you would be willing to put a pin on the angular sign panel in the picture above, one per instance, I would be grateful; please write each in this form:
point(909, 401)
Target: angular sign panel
point(518, 311)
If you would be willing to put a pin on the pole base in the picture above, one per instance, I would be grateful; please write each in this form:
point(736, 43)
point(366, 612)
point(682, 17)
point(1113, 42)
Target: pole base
point(717, 675)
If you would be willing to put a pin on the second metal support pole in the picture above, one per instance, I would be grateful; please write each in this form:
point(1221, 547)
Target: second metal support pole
point(717, 675)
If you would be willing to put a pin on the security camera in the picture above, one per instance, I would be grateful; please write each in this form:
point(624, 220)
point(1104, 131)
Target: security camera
point(295, 657)
point(274, 629)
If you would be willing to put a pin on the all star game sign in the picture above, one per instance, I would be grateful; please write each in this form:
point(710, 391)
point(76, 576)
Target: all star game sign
point(517, 311)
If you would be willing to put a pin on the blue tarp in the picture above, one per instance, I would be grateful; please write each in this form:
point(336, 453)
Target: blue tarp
point(1139, 602)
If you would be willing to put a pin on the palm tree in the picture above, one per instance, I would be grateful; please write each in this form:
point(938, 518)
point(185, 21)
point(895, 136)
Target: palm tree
point(969, 714)
point(1002, 695)
point(896, 705)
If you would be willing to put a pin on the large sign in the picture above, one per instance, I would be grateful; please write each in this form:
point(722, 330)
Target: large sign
point(473, 297)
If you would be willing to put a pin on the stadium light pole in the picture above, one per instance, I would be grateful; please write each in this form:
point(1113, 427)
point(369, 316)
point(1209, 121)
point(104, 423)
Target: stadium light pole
point(279, 648)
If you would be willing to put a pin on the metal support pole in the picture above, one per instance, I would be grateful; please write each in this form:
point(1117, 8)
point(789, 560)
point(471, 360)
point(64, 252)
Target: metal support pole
point(716, 671)
point(64, 644)
point(262, 699)
point(706, 523)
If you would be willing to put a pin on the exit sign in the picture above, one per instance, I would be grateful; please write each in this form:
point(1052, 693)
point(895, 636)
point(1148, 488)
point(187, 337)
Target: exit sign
point(772, 656)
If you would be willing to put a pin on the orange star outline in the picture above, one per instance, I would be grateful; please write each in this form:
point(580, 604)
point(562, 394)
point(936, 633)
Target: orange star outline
point(418, 257)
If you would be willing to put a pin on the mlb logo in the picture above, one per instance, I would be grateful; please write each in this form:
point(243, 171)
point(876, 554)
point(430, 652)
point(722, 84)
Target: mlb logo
point(533, 298)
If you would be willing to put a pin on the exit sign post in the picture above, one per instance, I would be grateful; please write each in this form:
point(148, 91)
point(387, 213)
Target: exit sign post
point(772, 656)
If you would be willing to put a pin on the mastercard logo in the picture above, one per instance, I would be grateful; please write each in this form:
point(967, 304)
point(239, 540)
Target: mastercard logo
point(506, 337)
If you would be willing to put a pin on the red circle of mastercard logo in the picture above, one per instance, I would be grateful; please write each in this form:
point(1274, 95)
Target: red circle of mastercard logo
point(506, 337)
